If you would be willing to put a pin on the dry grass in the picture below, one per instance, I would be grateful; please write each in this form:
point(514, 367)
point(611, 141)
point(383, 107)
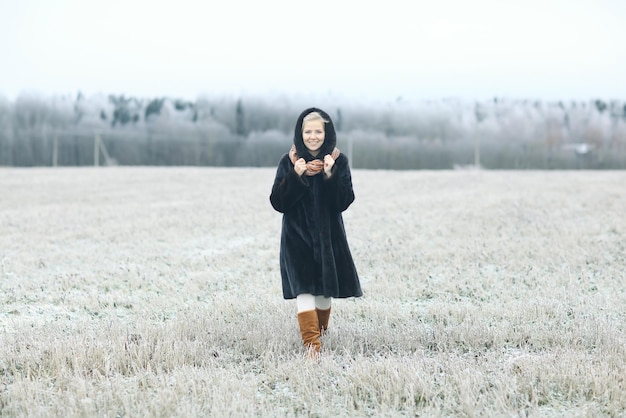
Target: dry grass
point(155, 292)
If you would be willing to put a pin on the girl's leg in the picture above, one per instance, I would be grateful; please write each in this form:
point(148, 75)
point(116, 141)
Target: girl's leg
point(322, 302)
point(309, 324)
point(322, 306)
point(305, 302)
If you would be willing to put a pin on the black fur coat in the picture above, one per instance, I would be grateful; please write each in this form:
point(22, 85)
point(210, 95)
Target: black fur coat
point(314, 253)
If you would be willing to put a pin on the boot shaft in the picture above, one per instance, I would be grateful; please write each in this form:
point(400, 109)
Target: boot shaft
point(323, 316)
point(309, 328)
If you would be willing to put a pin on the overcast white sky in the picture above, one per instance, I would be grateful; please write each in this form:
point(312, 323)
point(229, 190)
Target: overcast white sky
point(547, 49)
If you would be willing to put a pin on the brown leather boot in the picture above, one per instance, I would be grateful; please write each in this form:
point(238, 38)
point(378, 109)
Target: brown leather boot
point(323, 315)
point(309, 328)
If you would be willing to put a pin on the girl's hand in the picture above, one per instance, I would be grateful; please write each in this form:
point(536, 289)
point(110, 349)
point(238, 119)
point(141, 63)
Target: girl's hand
point(329, 162)
point(300, 166)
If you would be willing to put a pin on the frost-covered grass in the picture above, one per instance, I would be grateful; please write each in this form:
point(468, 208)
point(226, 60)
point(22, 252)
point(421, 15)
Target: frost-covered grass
point(155, 292)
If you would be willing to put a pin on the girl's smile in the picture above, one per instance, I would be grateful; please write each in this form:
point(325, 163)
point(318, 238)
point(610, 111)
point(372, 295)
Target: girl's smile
point(313, 135)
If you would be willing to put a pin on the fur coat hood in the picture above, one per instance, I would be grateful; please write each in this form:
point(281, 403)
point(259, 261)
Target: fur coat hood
point(330, 140)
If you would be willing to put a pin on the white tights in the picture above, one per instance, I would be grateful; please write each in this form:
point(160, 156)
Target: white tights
point(308, 302)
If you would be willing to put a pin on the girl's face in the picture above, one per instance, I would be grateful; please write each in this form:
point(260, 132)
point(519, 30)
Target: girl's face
point(313, 134)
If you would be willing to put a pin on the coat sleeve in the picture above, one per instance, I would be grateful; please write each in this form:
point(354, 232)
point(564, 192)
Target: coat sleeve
point(339, 186)
point(288, 186)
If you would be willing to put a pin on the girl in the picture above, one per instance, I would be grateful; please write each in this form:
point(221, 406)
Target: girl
point(313, 185)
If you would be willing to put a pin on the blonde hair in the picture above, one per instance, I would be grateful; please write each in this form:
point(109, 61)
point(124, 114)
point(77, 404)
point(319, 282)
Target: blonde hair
point(313, 116)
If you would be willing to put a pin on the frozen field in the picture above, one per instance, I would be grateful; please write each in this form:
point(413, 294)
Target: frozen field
point(155, 292)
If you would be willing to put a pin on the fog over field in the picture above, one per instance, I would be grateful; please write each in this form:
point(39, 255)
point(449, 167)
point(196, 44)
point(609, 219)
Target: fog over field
point(128, 291)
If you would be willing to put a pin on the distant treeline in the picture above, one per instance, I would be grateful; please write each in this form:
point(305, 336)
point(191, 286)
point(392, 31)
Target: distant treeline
point(256, 131)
